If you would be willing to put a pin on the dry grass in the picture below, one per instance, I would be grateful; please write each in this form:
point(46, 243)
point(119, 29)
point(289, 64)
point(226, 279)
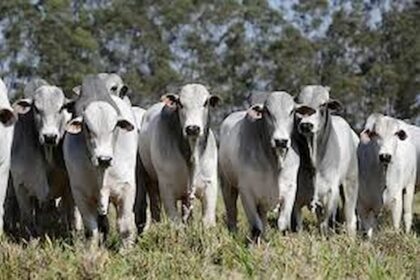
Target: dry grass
point(166, 251)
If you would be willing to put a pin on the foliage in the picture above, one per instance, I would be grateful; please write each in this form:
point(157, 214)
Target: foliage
point(368, 52)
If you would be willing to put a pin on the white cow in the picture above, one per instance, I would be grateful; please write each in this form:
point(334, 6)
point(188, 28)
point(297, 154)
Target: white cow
point(179, 154)
point(414, 136)
point(7, 119)
point(100, 152)
point(388, 166)
point(327, 146)
point(258, 159)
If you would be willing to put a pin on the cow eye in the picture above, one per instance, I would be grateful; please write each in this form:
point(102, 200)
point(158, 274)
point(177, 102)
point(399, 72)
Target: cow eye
point(114, 88)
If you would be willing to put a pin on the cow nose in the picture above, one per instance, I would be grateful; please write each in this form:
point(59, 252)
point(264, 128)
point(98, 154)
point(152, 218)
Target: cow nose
point(104, 161)
point(281, 143)
point(385, 158)
point(50, 139)
point(192, 130)
point(306, 127)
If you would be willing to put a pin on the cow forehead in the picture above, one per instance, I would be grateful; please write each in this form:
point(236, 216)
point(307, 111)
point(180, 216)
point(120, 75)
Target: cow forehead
point(371, 121)
point(111, 79)
point(93, 84)
point(279, 102)
point(49, 98)
point(385, 125)
point(313, 96)
point(193, 95)
point(100, 115)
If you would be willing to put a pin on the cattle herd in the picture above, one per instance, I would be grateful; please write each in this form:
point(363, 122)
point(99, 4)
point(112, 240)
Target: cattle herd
point(76, 156)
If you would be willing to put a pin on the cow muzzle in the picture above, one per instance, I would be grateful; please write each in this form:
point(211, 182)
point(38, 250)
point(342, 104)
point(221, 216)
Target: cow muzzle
point(306, 127)
point(50, 139)
point(280, 143)
point(385, 158)
point(104, 161)
point(192, 130)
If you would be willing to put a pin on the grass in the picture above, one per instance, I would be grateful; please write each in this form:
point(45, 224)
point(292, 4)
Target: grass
point(192, 252)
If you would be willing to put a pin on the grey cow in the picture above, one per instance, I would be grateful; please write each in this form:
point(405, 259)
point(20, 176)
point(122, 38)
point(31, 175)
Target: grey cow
point(259, 160)
point(7, 119)
point(179, 155)
point(37, 165)
point(100, 152)
point(327, 146)
point(388, 166)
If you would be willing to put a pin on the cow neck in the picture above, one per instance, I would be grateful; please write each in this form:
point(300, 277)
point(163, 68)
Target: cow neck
point(319, 143)
point(275, 159)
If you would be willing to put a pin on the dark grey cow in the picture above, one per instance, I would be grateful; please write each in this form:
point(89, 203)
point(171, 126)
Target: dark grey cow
point(100, 151)
point(258, 159)
point(37, 166)
point(327, 146)
point(179, 154)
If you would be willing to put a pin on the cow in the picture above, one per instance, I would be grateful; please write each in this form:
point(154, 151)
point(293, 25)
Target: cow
point(37, 164)
point(327, 147)
point(414, 136)
point(100, 152)
point(7, 120)
point(258, 160)
point(178, 154)
point(388, 169)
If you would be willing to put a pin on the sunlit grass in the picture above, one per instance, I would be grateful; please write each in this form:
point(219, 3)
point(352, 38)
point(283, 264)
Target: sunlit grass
point(169, 251)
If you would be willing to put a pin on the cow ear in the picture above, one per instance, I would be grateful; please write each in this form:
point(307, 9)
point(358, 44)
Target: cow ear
point(75, 125)
point(171, 100)
point(255, 112)
point(214, 100)
point(364, 136)
point(22, 106)
point(123, 91)
point(334, 105)
point(77, 89)
point(125, 124)
point(402, 135)
point(7, 116)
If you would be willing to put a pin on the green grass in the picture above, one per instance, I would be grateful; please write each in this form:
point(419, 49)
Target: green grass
point(166, 251)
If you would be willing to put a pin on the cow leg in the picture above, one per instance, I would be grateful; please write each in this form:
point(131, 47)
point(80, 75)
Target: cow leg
point(169, 201)
point(324, 215)
point(297, 221)
point(408, 195)
point(255, 221)
point(350, 188)
point(396, 210)
point(27, 221)
point(230, 197)
point(368, 220)
point(209, 204)
point(155, 202)
point(140, 205)
point(125, 220)
point(285, 213)
point(3, 190)
point(89, 216)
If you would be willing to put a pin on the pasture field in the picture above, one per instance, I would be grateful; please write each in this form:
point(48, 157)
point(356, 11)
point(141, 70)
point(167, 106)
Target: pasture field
point(169, 252)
